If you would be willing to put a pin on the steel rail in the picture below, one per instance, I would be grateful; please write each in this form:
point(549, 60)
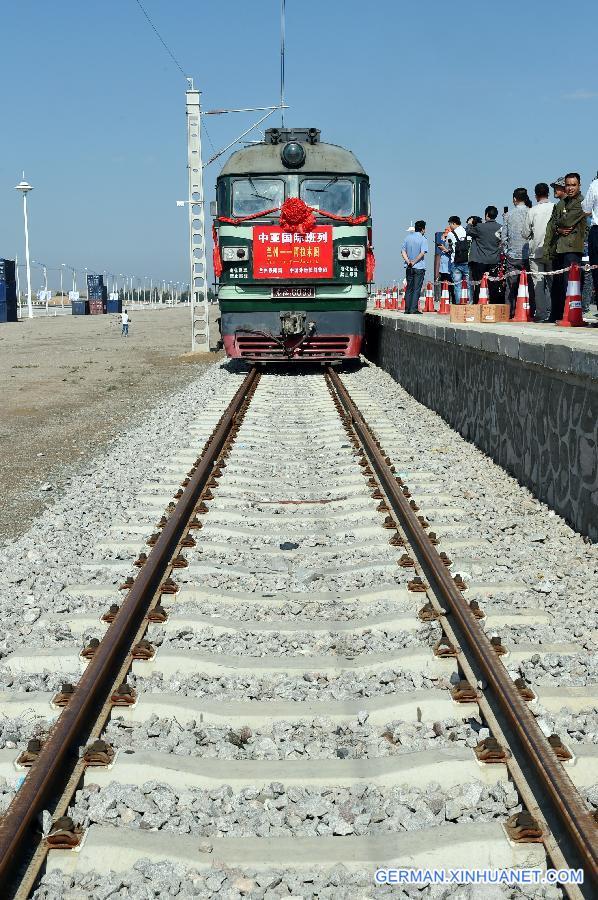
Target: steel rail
point(60, 751)
point(574, 816)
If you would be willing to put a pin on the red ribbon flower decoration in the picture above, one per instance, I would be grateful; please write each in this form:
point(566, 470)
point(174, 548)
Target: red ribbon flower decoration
point(296, 216)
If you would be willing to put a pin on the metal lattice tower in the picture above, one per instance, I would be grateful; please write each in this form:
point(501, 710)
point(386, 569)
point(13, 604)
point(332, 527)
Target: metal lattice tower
point(198, 285)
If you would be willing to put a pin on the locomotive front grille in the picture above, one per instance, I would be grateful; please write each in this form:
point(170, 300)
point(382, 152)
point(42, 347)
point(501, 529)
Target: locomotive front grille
point(317, 346)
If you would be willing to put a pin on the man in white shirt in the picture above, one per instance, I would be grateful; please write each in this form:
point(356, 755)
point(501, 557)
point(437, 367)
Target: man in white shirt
point(124, 318)
point(458, 244)
point(590, 206)
point(534, 230)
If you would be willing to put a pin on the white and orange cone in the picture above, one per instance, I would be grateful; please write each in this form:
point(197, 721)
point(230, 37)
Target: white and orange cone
point(444, 308)
point(484, 297)
point(464, 298)
point(429, 301)
point(522, 308)
point(572, 316)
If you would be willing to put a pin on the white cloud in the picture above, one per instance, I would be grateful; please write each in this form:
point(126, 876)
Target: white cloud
point(581, 94)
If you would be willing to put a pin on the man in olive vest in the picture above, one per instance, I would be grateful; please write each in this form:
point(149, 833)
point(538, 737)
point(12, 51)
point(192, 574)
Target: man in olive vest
point(565, 239)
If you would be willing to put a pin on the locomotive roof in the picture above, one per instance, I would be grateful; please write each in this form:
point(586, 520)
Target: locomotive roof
point(265, 159)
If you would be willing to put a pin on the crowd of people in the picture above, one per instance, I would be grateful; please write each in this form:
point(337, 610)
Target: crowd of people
point(544, 239)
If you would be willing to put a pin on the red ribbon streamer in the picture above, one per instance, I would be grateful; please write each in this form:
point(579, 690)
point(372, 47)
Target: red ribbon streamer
point(216, 259)
point(370, 265)
point(350, 220)
point(294, 217)
point(238, 219)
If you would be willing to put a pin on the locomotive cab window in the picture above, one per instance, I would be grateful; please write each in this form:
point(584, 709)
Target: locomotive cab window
point(252, 195)
point(364, 198)
point(333, 195)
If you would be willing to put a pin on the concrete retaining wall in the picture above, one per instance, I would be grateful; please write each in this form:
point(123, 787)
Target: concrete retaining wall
point(529, 402)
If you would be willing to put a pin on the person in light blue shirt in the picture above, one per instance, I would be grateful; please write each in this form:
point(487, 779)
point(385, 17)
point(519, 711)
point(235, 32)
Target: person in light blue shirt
point(413, 251)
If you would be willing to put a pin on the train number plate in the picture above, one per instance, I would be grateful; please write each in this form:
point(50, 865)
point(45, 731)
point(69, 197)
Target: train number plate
point(297, 292)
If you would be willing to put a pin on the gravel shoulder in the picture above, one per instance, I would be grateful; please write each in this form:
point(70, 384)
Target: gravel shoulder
point(71, 384)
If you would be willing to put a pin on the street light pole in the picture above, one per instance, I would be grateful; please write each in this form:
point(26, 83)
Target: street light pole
point(44, 268)
point(62, 265)
point(25, 187)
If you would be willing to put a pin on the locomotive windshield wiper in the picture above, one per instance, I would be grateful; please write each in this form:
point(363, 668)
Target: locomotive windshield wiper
point(255, 193)
point(325, 188)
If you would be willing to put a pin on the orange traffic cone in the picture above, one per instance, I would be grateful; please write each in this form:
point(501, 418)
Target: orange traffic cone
point(464, 298)
point(377, 301)
point(572, 317)
point(402, 295)
point(444, 300)
point(484, 298)
point(429, 301)
point(395, 297)
point(522, 309)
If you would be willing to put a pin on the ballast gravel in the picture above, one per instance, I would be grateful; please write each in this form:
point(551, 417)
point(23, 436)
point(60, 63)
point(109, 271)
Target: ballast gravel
point(309, 686)
point(150, 880)
point(319, 738)
point(554, 669)
point(248, 643)
point(279, 811)
point(577, 728)
point(298, 609)
point(301, 643)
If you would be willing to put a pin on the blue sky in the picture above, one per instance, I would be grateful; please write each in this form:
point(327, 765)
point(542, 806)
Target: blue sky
point(449, 106)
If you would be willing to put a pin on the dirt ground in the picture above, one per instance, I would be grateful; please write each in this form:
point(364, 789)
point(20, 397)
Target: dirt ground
point(70, 383)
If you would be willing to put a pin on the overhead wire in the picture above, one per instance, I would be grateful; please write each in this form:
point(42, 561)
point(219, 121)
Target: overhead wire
point(161, 39)
point(282, 52)
point(174, 59)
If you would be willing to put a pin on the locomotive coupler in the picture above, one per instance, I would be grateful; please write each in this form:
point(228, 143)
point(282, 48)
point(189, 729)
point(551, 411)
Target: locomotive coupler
point(292, 324)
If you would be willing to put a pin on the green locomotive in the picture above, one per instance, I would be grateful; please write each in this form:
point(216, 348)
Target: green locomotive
point(292, 249)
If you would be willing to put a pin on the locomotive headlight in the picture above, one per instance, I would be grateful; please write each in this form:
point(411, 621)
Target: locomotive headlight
point(293, 155)
point(235, 254)
point(351, 253)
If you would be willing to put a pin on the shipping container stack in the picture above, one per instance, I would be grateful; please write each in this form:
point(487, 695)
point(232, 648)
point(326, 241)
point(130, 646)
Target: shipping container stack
point(8, 291)
point(115, 304)
point(96, 295)
point(80, 307)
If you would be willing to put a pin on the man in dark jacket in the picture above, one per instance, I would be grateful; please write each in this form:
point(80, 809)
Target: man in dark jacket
point(565, 239)
point(484, 253)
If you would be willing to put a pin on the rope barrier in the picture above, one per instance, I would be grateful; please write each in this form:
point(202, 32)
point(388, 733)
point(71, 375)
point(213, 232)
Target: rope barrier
point(515, 273)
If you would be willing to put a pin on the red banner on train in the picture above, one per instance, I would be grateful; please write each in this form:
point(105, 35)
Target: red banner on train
point(282, 254)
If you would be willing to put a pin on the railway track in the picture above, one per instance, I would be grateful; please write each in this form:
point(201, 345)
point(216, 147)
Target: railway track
point(295, 678)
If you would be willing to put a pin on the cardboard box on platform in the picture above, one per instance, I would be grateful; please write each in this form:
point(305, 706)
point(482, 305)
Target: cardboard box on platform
point(465, 314)
point(494, 312)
